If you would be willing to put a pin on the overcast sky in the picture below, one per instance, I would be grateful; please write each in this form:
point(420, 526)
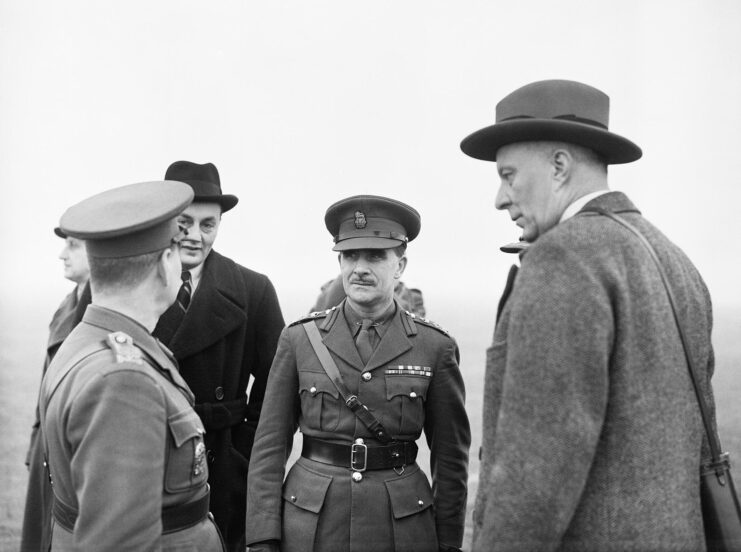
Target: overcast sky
point(302, 103)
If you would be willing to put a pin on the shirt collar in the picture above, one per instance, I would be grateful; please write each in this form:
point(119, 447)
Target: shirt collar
point(577, 205)
point(354, 319)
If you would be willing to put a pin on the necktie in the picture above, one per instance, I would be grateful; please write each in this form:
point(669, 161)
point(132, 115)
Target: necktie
point(364, 340)
point(185, 291)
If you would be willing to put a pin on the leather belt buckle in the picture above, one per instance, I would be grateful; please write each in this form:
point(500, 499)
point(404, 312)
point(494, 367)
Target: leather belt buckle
point(358, 448)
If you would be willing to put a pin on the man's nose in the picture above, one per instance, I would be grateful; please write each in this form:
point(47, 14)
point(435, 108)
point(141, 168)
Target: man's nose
point(361, 267)
point(502, 201)
point(64, 253)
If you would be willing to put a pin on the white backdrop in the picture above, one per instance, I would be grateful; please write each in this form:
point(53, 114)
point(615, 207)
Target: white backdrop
point(302, 103)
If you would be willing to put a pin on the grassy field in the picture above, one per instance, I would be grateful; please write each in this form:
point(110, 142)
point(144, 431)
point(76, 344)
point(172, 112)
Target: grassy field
point(21, 355)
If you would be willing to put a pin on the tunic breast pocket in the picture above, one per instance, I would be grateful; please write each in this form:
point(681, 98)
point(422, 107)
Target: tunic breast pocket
point(406, 396)
point(185, 464)
point(320, 401)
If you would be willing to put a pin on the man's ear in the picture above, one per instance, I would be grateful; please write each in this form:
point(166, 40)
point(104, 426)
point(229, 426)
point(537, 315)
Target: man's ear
point(164, 258)
point(562, 163)
point(400, 267)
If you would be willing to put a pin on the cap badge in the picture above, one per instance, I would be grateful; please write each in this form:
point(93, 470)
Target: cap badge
point(360, 221)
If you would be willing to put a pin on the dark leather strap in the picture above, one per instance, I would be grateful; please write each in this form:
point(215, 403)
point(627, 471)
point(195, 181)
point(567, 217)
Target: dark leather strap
point(352, 401)
point(220, 415)
point(713, 440)
point(394, 455)
point(175, 518)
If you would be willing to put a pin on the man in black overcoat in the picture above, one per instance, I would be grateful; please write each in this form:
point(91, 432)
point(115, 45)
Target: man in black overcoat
point(223, 329)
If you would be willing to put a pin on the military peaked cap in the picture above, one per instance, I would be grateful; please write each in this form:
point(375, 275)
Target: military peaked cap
point(129, 220)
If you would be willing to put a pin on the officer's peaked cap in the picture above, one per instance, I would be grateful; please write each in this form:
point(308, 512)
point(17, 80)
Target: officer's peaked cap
point(128, 220)
point(371, 222)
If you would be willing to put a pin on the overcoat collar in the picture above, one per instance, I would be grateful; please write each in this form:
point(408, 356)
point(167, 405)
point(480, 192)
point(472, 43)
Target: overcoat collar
point(617, 202)
point(216, 310)
point(68, 315)
point(394, 342)
point(113, 321)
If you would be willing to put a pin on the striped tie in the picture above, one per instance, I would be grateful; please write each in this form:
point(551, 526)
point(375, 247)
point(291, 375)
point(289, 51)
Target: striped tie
point(185, 291)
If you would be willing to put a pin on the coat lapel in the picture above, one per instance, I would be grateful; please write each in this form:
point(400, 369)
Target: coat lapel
point(68, 315)
point(339, 340)
point(213, 313)
point(393, 343)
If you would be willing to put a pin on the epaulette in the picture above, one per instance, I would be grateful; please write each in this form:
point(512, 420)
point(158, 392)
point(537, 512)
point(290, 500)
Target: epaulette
point(316, 315)
point(123, 347)
point(412, 318)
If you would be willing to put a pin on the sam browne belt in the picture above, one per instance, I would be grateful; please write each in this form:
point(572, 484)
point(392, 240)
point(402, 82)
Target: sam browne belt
point(359, 456)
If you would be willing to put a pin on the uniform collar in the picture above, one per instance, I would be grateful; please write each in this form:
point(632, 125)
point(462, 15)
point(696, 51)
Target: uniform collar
point(354, 319)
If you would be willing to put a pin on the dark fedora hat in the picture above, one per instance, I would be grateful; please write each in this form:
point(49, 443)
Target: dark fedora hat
point(204, 179)
point(553, 110)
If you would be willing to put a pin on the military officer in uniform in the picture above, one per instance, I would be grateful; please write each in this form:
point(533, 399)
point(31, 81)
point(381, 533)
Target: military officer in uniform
point(124, 446)
point(384, 376)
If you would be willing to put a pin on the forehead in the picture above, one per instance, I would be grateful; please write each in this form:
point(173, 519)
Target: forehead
point(73, 242)
point(519, 153)
point(201, 210)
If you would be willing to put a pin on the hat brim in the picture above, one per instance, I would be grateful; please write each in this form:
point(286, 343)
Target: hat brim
point(226, 201)
point(613, 148)
point(367, 242)
point(58, 231)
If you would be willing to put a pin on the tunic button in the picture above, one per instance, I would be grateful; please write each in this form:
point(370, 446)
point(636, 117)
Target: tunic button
point(312, 390)
point(120, 339)
point(421, 502)
point(413, 394)
point(357, 477)
point(219, 393)
point(366, 376)
point(293, 498)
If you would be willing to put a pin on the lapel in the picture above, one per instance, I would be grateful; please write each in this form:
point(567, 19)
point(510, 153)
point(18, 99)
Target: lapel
point(339, 340)
point(68, 315)
point(63, 321)
point(217, 309)
point(393, 343)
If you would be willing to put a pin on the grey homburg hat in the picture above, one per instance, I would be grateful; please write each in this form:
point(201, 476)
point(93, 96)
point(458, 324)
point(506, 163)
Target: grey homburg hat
point(553, 110)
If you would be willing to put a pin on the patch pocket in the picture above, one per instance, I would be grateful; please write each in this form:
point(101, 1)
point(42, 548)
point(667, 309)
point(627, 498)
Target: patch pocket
point(411, 505)
point(185, 464)
point(406, 396)
point(320, 400)
point(303, 498)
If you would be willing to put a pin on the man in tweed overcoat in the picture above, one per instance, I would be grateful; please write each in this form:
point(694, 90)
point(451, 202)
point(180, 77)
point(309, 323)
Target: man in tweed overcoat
point(592, 432)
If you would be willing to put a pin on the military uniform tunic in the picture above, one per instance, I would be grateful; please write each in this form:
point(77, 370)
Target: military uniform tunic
point(123, 440)
point(411, 383)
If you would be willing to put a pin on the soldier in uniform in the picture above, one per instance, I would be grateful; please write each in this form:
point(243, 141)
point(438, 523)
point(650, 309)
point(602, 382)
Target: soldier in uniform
point(36, 533)
point(124, 446)
point(385, 376)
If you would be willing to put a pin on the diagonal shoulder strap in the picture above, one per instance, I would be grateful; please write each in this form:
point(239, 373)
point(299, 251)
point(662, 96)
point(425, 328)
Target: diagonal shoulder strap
point(352, 402)
point(713, 440)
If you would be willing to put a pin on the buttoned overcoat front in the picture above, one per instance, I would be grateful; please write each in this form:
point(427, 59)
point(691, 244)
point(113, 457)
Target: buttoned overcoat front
point(592, 433)
point(228, 335)
point(411, 383)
